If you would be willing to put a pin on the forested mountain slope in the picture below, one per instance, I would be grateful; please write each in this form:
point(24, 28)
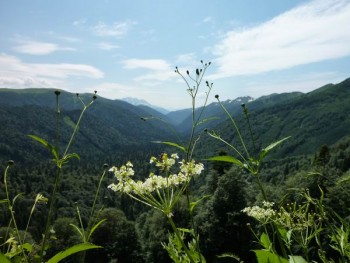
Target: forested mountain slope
point(311, 119)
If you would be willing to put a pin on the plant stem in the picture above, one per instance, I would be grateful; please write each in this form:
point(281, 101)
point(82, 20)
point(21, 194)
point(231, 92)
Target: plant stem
point(177, 233)
point(48, 221)
point(13, 214)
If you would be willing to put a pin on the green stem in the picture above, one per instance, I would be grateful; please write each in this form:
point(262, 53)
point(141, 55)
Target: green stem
point(236, 127)
point(76, 129)
point(48, 221)
point(177, 233)
point(13, 214)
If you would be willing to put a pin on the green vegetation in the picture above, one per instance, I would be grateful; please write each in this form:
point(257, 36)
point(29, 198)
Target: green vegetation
point(239, 188)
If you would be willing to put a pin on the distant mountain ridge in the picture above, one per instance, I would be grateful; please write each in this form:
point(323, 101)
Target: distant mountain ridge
point(115, 129)
point(138, 102)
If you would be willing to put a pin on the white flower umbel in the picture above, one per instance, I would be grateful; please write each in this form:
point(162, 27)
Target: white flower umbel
point(262, 214)
point(160, 192)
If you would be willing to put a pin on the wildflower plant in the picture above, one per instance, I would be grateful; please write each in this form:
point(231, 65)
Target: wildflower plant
point(16, 247)
point(161, 190)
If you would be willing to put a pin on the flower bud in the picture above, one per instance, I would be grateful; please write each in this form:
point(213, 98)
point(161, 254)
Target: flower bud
point(10, 162)
point(57, 92)
point(216, 96)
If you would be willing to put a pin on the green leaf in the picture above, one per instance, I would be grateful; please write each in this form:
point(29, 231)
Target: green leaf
point(16, 197)
point(264, 256)
point(4, 259)
point(80, 231)
point(46, 144)
point(195, 203)
point(267, 149)
point(296, 259)
point(229, 255)
point(72, 250)
point(172, 144)
point(207, 119)
point(28, 247)
point(265, 241)
point(226, 158)
point(95, 227)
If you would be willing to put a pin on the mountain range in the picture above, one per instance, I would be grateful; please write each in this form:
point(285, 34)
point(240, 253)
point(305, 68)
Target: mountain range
point(116, 129)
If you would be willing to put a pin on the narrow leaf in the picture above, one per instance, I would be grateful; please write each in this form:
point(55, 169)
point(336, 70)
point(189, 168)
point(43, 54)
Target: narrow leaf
point(46, 144)
point(95, 227)
point(71, 155)
point(70, 251)
point(267, 149)
point(207, 119)
point(265, 241)
point(4, 259)
point(226, 158)
point(172, 144)
point(81, 233)
point(264, 256)
point(195, 203)
point(296, 259)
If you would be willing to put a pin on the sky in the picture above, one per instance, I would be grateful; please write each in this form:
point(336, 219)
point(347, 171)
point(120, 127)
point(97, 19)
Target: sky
point(127, 48)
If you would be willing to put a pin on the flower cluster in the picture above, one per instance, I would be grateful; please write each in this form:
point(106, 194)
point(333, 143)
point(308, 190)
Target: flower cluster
point(155, 182)
point(262, 214)
point(296, 217)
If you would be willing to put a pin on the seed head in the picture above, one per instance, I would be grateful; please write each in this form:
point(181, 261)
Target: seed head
point(216, 96)
point(57, 92)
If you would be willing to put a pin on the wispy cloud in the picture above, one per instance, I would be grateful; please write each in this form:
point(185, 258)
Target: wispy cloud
point(188, 60)
point(158, 69)
point(113, 90)
point(39, 48)
point(309, 33)
point(107, 46)
point(116, 29)
point(152, 64)
point(79, 22)
point(14, 72)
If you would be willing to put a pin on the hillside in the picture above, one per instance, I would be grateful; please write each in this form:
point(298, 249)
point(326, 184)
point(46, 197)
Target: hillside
point(109, 128)
point(114, 128)
point(312, 119)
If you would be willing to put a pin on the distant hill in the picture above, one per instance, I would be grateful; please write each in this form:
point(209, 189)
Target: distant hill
point(312, 119)
point(115, 129)
point(141, 102)
point(109, 129)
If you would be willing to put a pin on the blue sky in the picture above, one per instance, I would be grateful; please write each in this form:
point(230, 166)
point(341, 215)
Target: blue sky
point(130, 48)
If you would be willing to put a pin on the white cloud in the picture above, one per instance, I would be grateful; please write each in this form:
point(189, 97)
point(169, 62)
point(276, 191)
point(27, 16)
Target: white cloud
point(107, 46)
point(38, 48)
point(14, 72)
point(112, 90)
point(159, 69)
point(79, 22)
point(152, 64)
point(117, 29)
point(312, 32)
point(189, 60)
point(207, 19)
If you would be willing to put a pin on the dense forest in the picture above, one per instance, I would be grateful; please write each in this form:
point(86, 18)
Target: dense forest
point(311, 165)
